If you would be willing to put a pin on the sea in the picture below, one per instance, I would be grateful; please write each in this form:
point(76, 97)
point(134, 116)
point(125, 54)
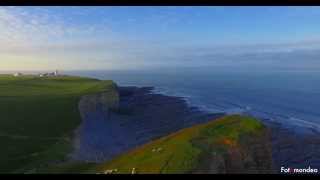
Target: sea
point(289, 97)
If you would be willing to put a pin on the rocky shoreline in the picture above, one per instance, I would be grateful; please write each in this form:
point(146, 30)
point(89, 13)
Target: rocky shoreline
point(142, 116)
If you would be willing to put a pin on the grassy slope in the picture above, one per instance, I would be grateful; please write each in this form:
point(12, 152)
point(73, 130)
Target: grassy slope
point(181, 150)
point(38, 116)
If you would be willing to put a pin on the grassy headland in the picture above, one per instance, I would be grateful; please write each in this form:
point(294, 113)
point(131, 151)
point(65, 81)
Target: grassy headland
point(229, 144)
point(38, 117)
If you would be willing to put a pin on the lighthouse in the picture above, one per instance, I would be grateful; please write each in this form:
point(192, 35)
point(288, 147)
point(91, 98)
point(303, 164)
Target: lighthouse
point(56, 73)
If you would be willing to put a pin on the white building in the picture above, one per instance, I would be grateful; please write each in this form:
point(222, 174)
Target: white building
point(17, 74)
point(56, 73)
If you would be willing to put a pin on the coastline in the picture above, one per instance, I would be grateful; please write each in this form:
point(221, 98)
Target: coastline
point(144, 115)
point(296, 143)
point(141, 117)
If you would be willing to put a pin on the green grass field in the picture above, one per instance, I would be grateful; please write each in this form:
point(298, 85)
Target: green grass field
point(180, 151)
point(38, 117)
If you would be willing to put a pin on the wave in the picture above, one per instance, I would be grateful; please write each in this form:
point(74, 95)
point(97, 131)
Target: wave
point(298, 124)
point(239, 110)
point(190, 100)
point(219, 107)
point(228, 107)
point(305, 123)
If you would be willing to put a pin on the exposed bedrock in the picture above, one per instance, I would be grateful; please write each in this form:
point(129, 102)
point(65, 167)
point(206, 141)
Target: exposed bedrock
point(252, 155)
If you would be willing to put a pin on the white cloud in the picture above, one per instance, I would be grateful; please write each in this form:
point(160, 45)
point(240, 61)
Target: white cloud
point(22, 28)
point(42, 37)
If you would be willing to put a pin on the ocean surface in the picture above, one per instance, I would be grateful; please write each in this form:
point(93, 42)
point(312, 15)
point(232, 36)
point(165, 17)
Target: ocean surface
point(288, 97)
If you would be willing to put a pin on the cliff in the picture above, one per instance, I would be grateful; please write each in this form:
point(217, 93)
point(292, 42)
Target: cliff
point(131, 129)
point(110, 128)
point(232, 144)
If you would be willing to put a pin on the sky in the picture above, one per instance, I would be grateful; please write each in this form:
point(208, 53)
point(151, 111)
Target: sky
point(89, 38)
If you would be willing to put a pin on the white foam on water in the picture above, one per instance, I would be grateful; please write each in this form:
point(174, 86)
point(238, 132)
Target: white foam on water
point(190, 100)
point(304, 123)
point(288, 121)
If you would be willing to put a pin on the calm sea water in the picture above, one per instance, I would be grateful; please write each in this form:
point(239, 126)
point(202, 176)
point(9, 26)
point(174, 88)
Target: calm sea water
point(290, 97)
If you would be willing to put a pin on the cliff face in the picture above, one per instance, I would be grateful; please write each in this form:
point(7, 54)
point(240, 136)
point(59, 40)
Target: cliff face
point(95, 112)
point(256, 153)
point(251, 154)
point(98, 103)
point(105, 101)
point(243, 149)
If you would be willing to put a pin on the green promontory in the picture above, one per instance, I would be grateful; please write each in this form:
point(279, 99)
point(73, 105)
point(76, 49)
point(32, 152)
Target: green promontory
point(39, 116)
point(232, 144)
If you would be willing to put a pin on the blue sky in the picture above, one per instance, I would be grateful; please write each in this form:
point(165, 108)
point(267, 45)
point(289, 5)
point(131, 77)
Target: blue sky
point(38, 38)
